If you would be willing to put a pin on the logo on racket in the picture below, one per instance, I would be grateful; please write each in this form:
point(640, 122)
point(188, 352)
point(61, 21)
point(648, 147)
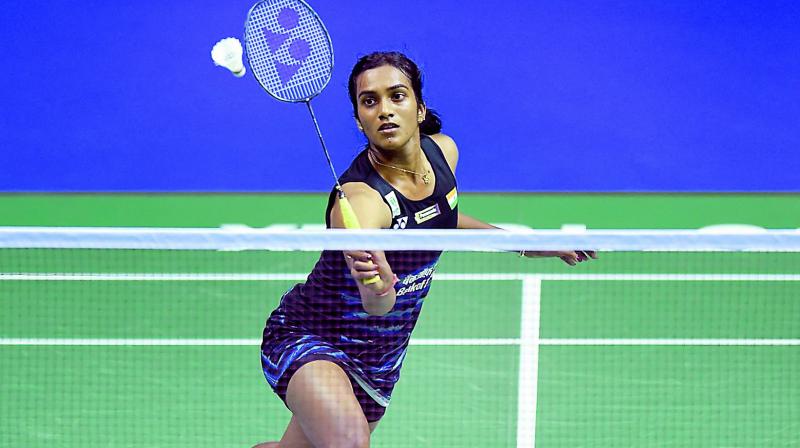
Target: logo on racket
point(299, 49)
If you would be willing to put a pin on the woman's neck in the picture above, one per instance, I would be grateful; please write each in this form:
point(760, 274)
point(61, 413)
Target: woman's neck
point(409, 156)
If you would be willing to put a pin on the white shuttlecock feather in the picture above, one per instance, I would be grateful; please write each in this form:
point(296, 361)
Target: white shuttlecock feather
point(228, 53)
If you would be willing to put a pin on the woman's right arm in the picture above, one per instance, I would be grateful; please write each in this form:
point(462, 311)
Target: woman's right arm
point(377, 298)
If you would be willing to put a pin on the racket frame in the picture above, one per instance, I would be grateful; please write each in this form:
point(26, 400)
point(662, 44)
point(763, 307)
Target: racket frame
point(349, 217)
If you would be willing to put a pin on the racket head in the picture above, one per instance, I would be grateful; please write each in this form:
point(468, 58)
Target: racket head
point(288, 49)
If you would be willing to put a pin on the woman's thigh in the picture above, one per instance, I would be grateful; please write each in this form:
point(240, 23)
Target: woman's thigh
point(324, 407)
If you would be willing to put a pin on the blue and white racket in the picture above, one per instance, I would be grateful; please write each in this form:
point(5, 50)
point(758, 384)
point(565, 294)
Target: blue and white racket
point(290, 54)
point(288, 49)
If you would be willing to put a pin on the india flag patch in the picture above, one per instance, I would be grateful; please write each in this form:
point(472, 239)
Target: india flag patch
point(452, 198)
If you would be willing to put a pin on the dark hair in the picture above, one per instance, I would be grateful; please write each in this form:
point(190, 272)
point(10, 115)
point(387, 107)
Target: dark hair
point(432, 124)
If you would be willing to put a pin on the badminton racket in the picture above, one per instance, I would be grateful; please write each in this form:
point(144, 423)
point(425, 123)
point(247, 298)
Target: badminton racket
point(290, 53)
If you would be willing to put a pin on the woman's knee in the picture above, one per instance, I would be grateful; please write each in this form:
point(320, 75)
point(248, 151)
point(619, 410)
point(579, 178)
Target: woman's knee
point(347, 429)
point(357, 438)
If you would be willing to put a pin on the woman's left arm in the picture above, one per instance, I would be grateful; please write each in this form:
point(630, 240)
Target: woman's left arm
point(450, 151)
point(468, 222)
point(571, 257)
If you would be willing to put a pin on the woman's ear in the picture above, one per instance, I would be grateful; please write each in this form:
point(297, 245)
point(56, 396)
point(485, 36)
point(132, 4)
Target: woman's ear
point(358, 124)
point(421, 111)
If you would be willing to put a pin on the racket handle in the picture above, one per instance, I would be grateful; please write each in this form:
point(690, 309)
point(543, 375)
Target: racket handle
point(348, 215)
point(351, 222)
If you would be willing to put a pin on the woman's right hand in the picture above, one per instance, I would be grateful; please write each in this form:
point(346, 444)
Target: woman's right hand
point(378, 298)
point(366, 265)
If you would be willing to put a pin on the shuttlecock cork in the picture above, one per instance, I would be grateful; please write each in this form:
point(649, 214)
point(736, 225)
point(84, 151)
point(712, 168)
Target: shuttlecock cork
point(228, 53)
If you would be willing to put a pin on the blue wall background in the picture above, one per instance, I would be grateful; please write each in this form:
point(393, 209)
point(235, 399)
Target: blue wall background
point(632, 95)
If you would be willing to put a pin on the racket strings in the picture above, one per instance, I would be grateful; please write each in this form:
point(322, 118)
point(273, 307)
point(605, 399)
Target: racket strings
point(291, 56)
point(298, 64)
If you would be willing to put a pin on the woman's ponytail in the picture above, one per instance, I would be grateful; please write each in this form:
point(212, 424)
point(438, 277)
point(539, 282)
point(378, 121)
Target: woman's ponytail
point(432, 124)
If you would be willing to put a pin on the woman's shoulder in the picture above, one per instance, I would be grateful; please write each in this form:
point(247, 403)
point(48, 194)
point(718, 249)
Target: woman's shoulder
point(367, 203)
point(448, 147)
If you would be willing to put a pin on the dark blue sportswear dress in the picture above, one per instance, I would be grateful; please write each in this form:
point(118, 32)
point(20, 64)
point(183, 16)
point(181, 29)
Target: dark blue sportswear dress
point(323, 318)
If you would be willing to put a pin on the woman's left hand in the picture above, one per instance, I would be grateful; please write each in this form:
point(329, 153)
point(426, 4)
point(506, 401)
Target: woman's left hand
point(571, 257)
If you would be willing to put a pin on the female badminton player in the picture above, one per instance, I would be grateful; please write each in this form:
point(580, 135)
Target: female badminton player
point(333, 348)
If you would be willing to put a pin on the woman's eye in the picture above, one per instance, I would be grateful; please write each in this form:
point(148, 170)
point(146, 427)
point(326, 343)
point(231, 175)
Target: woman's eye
point(398, 96)
point(368, 101)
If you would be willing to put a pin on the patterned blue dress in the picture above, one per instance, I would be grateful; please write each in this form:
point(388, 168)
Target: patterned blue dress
point(323, 318)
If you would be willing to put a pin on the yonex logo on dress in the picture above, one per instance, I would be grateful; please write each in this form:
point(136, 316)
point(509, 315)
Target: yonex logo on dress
point(401, 223)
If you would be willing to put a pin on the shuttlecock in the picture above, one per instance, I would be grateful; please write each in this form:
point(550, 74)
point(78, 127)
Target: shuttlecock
point(228, 53)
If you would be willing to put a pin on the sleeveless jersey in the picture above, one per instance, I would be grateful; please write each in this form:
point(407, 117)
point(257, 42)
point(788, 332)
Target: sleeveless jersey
point(326, 312)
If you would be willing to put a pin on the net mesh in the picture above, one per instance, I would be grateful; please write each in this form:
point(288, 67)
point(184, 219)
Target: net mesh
point(159, 345)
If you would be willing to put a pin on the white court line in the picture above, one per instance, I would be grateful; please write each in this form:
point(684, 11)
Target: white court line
point(463, 342)
point(672, 342)
point(28, 276)
point(122, 276)
point(128, 342)
point(529, 341)
point(528, 363)
point(635, 277)
point(224, 342)
point(421, 342)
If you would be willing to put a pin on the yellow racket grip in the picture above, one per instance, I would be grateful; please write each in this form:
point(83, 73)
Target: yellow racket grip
point(348, 215)
point(351, 222)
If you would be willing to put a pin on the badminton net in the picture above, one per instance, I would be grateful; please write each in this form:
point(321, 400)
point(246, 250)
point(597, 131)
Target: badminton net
point(151, 337)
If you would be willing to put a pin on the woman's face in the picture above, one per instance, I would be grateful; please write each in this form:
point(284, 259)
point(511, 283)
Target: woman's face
point(388, 112)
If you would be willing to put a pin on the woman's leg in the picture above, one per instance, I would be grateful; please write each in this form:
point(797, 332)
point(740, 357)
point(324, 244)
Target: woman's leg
point(328, 381)
point(294, 437)
point(325, 410)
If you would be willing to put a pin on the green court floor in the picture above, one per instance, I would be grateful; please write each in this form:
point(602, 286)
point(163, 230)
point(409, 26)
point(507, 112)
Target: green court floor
point(157, 349)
